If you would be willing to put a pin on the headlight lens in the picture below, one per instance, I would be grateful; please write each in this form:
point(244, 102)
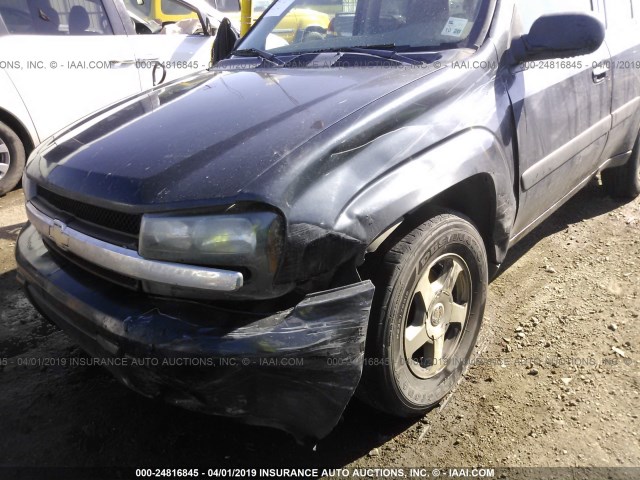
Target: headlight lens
point(246, 240)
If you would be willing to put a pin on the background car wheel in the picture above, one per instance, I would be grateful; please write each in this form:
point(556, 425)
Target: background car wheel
point(12, 159)
point(431, 290)
point(624, 181)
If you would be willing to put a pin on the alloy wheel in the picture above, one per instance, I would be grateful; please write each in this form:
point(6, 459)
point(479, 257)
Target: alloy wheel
point(5, 158)
point(438, 315)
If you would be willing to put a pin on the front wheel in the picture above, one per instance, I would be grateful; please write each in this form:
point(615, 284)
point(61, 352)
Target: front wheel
point(12, 159)
point(431, 290)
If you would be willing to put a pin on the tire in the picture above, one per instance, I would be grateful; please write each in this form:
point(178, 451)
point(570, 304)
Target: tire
point(624, 181)
point(411, 279)
point(12, 159)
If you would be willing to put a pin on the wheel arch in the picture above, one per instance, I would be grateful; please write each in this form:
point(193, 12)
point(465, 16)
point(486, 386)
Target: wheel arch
point(19, 128)
point(469, 173)
point(480, 213)
point(14, 113)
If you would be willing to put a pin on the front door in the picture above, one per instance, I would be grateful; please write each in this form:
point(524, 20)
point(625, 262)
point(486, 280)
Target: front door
point(179, 49)
point(562, 115)
point(623, 23)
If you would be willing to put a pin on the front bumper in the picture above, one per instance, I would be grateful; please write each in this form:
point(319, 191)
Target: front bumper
point(295, 370)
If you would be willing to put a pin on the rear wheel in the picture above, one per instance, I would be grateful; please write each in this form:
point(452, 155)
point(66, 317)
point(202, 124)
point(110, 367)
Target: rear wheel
point(624, 181)
point(431, 292)
point(12, 159)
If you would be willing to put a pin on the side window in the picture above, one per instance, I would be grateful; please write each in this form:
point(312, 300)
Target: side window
point(226, 5)
point(55, 17)
point(530, 10)
point(16, 16)
point(260, 5)
point(170, 7)
point(144, 10)
point(319, 4)
point(83, 17)
point(182, 20)
point(619, 12)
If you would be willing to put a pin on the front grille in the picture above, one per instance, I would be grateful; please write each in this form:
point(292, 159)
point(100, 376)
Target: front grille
point(109, 275)
point(126, 223)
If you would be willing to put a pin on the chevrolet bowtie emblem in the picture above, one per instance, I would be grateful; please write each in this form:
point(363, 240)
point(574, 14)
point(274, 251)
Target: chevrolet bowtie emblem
point(58, 235)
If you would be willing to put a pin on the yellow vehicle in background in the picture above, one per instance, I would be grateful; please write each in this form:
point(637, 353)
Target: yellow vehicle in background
point(299, 24)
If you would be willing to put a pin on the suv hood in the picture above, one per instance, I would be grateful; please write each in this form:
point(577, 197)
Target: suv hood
point(205, 137)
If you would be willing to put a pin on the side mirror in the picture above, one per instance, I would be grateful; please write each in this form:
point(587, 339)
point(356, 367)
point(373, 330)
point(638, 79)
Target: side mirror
point(559, 36)
point(224, 42)
point(209, 28)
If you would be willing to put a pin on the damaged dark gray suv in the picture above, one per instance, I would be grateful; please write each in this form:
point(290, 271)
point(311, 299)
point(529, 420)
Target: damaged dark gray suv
point(221, 236)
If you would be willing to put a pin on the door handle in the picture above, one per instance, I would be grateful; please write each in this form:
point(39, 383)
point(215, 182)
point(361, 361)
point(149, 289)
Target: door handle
point(599, 74)
point(154, 72)
point(127, 61)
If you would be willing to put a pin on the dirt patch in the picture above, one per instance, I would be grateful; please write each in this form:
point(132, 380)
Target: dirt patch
point(556, 382)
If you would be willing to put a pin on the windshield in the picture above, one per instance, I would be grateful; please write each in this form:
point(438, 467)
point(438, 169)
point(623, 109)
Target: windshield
point(327, 25)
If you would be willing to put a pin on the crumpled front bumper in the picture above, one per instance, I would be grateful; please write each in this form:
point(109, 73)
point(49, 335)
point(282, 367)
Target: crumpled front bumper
point(295, 370)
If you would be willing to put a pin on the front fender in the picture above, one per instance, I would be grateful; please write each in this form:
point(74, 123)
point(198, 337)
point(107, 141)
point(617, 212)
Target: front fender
point(419, 179)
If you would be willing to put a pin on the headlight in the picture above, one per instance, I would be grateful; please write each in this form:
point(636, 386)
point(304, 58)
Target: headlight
point(252, 240)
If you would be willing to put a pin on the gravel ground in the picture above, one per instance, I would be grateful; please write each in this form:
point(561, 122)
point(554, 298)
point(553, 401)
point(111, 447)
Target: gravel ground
point(557, 382)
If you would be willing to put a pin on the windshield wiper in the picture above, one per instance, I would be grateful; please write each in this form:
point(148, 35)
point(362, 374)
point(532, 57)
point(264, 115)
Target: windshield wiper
point(256, 52)
point(388, 51)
